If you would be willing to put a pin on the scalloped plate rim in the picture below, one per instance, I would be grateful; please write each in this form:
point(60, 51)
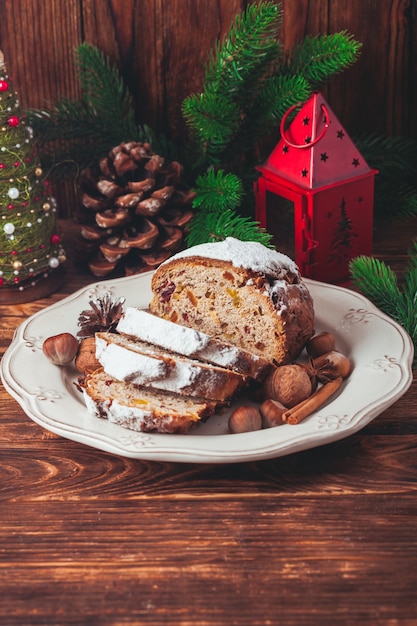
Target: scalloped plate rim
point(222, 447)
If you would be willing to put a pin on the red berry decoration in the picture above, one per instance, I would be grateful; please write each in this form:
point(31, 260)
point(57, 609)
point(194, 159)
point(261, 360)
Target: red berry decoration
point(13, 120)
point(4, 85)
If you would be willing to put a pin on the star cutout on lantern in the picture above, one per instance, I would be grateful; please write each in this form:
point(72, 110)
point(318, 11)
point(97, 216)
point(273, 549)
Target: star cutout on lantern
point(329, 215)
point(304, 172)
point(355, 162)
point(308, 139)
point(324, 156)
point(306, 121)
point(340, 134)
point(285, 149)
point(360, 200)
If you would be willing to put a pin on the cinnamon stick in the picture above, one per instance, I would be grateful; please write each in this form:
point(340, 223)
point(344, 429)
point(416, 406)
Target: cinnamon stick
point(302, 410)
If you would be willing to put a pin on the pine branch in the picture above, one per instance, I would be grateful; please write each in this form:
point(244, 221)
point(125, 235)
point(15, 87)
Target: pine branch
point(251, 47)
point(235, 75)
point(103, 87)
point(320, 57)
point(218, 191)
point(393, 197)
point(73, 134)
point(277, 96)
point(209, 226)
point(395, 158)
point(397, 155)
point(218, 195)
point(214, 120)
point(409, 316)
point(378, 282)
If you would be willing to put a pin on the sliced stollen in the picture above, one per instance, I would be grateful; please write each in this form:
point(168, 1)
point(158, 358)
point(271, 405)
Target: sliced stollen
point(239, 291)
point(144, 364)
point(143, 325)
point(141, 409)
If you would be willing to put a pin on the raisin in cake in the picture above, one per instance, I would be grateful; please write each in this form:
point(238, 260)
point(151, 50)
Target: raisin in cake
point(239, 291)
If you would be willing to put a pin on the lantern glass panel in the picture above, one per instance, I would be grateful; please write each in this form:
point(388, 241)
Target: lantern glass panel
point(280, 222)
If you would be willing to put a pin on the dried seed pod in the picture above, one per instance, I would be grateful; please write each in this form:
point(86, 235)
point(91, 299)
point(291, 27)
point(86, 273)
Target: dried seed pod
point(320, 344)
point(288, 384)
point(271, 413)
point(60, 349)
point(245, 419)
point(331, 365)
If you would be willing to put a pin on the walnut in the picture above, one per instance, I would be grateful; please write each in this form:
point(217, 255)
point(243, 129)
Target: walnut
point(288, 384)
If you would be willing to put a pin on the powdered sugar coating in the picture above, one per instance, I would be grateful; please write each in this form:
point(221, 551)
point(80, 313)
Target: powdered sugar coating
point(157, 330)
point(250, 255)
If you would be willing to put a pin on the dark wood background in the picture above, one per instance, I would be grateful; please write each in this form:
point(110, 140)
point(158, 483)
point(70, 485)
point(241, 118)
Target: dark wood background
point(161, 47)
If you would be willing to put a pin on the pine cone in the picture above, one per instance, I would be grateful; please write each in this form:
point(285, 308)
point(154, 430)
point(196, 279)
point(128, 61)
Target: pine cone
point(134, 210)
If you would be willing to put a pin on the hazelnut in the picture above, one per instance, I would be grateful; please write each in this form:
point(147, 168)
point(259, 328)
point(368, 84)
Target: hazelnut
point(245, 419)
point(331, 365)
point(271, 412)
point(86, 356)
point(60, 349)
point(320, 344)
point(289, 384)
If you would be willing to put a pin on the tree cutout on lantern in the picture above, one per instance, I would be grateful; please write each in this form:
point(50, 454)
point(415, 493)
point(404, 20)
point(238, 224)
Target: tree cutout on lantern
point(314, 168)
point(345, 241)
point(31, 253)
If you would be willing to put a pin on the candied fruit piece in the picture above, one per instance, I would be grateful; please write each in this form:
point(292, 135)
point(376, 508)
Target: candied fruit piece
point(235, 296)
point(192, 297)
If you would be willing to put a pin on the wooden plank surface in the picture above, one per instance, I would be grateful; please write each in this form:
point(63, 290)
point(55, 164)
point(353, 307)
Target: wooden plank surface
point(326, 536)
point(161, 46)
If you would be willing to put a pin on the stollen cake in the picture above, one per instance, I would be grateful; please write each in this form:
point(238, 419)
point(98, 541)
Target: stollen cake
point(144, 364)
point(141, 409)
point(143, 325)
point(238, 291)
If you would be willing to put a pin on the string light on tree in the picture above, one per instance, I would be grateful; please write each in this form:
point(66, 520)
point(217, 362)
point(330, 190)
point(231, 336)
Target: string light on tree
point(31, 251)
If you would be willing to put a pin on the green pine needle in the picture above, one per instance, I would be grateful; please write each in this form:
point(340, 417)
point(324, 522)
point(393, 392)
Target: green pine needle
point(395, 158)
point(218, 191)
point(73, 134)
point(319, 57)
point(379, 284)
point(235, 76)
point(252, 44)
point(103, 87)
point(378, 281)
point(207, 226)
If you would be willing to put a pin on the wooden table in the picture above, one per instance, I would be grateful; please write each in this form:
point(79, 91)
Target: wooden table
point(326, 536)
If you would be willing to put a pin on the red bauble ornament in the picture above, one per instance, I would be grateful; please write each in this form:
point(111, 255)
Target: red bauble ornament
point(13, 120)
point(55, 239)
point(4, 85)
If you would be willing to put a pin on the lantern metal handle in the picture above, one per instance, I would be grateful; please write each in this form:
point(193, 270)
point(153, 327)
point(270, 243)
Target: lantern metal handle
point(314, 141)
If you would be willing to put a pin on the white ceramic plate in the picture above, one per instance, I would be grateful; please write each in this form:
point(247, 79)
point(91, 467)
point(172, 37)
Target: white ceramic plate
point(379, 348)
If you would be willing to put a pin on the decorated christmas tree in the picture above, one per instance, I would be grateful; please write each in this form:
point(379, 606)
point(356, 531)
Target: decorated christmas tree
point(31, 253)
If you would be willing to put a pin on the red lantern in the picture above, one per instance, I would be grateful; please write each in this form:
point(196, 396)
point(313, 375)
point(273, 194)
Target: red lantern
point(315, 194)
